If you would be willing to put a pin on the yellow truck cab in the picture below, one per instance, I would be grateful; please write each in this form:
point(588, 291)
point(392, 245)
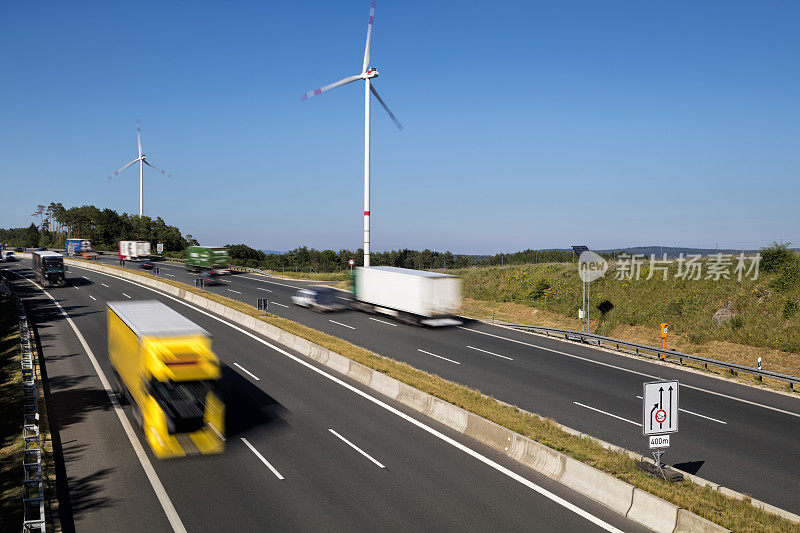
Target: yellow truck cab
point(163, 364)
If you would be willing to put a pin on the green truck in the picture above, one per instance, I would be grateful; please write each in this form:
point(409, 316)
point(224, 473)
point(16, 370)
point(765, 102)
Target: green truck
point(214, 258)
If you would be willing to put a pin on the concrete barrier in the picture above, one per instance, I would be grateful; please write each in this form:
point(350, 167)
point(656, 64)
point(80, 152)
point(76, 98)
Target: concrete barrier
point(636, 504)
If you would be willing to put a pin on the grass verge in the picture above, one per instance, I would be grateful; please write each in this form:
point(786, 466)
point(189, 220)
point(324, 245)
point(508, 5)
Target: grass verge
point(737, 515)
point(11, 473)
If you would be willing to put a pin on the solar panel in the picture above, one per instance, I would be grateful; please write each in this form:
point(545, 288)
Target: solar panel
point(580, 249)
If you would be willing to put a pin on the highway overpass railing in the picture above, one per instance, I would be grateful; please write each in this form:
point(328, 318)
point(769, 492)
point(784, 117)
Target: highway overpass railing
point(653, 351)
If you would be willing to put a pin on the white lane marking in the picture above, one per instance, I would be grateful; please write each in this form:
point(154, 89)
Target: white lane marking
point(104, 285)
point(75, 286)
point(263, 460)
point(237, 292)
point(383, 322)
point(84, 277)
point(263, 289)
point(273, 282)
point(609, 414)
point(170, 275)
point(439, 356)
point(276, 303)
point(776, 409)
point(125, 295)
point(345, 325)
point(356, 448)
point(155, 482)
point(92, 297)
point(243, 369)
point(413, 421)
point(697, 414)
point(490, 353)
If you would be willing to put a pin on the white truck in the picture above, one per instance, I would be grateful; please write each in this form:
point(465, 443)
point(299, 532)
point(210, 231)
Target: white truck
point(134, 250)
point(412, 296)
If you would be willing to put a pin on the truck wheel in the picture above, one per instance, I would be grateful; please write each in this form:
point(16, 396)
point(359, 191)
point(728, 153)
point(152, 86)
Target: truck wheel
point(119, 390)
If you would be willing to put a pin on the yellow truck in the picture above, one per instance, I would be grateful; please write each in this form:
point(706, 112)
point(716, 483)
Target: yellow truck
point(163, 364)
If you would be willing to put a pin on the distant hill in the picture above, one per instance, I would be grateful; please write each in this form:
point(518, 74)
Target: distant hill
point(675, 251)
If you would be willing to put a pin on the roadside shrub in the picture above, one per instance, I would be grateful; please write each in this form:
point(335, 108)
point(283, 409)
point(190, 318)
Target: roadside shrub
point(788, 276)
point(775, 256)
point(737, 322)
point(790, 308)
point(540, 289)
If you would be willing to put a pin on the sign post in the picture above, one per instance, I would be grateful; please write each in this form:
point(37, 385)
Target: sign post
point(352, 262)
point(160, 248)
point(659, 414)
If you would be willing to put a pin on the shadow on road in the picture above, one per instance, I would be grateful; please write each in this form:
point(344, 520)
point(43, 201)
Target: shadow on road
point(247, 406)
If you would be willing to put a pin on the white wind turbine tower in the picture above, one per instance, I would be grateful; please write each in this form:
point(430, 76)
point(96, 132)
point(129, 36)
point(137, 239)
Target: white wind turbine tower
point(366, 74)
point(142, 160)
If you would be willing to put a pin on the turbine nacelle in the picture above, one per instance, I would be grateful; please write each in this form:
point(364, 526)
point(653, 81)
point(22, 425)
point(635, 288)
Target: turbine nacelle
point(371, 73)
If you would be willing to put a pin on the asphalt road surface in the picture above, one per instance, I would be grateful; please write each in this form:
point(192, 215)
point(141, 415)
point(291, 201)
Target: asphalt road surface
point(738, 436)
point(305, 449)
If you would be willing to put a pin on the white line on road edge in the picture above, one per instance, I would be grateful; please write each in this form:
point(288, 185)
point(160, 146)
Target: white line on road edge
point(383, 322)
point(356, 448)
point(104, 285)
point(92, 297)
point(263, 460)
point(345, 325)
point(413, 421)
point(697, 414)
point(609, 414)
point(439, 356)
point(683, 385)
point(490, 353)
point(243, 369)
point(155, 482)
point(125, 295)
point(237, 292)
point(276, 303)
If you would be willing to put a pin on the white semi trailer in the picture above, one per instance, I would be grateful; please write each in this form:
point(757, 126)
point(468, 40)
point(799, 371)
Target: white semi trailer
point(412, 296)
point(134, 250)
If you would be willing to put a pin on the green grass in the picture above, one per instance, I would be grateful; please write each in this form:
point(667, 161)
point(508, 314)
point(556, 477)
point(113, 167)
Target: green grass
point(11, 444)
point(730, 513)
point(766, 316)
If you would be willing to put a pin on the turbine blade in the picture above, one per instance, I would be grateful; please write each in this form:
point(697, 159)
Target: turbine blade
point(344, 81)
point(369, 35)
point(391, 115)
point(146, 162)
point(123, 168)
point(139, 135)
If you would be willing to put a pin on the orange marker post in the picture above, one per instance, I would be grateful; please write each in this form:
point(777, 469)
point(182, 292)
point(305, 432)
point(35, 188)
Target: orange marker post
point(664, 335)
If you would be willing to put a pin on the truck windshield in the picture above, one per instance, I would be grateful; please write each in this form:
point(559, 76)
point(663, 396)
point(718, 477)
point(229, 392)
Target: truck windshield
point(183, 403)
point(53, 267)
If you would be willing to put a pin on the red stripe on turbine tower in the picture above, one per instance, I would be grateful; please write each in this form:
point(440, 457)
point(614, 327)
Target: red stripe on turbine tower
point(366, 213)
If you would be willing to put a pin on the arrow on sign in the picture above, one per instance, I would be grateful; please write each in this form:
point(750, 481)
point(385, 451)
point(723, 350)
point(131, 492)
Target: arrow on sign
point(655, 406)
point(670, 406)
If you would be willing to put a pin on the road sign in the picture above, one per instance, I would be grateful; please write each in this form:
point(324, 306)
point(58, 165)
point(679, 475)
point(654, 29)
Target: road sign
point(663, 330)
point(660, 407)
point(352, 262)
point(659, 441)
point(160, 248)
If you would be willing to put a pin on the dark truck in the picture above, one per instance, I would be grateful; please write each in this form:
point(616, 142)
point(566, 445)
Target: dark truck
point(49, 268)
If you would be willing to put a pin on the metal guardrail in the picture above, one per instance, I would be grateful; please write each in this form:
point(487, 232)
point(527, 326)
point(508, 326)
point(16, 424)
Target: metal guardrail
point(643, 349)
point(32, 484)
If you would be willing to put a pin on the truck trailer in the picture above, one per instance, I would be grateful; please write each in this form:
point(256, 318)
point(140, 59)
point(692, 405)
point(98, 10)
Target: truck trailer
point(412, 296)
point(77, 246)
point(207, 258)
point(48, 267)
point(163, 364)
point(134, 250)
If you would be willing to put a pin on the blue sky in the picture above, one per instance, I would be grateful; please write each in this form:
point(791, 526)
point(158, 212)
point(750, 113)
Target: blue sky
point(527, 124)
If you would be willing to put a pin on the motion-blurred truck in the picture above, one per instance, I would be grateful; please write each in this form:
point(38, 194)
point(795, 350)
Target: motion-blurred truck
point(77, 246)
point(48, 267)
point(412, 296)
point(163, 364)
point(207, 258)
point(134, 250)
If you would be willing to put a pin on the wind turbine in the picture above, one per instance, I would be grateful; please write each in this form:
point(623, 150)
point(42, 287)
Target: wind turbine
point(366, 74)
point(142, 160)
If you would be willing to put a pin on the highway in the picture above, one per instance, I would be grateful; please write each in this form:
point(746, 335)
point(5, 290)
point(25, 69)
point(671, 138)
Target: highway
point(738, 436)
point(305, 449)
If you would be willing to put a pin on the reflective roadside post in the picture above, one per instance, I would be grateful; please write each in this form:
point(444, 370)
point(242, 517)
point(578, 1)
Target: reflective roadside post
point(663, 329)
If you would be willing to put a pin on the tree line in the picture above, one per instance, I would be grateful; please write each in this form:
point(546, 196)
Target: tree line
point(103, 227)
point(305, 259)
